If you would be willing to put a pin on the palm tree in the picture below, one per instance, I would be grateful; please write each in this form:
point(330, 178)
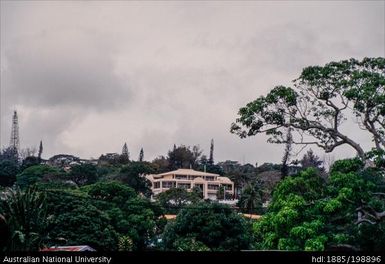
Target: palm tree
point(25, 213)
point(4, 233)
point(251, 199)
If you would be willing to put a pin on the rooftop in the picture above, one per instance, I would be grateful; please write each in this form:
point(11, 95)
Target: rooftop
point(250, 216)
point(188, 172)
point(69, 248)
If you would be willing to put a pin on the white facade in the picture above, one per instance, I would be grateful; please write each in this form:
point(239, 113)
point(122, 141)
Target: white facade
point(209, 183)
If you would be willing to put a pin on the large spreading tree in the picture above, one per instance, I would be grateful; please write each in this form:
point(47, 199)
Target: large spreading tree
point(318, 103)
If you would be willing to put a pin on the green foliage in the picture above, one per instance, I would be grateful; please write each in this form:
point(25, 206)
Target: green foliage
point(85, 224)
point(251, 199)
point(175, 199)
point(125, 243)
point(4, 233)
point(214, 225)
point(8, 171)
point(141, 155)
point(184, 157)
point(9, 166)
point(322, 97)
point(307, 213)
point(310, 160)
point(115, 211)
point(25, 215)
point(378, 157)
point(37, 173)
point(291, 219)
point(110, 191)
point(132, 176)
point(189, 244)
point(347, 165)
point(29, 161)
point(125, 156)
point(83, 174)
point(221, 193)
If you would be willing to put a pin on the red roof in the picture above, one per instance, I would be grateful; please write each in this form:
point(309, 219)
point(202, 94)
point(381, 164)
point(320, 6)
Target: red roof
point(69, 248)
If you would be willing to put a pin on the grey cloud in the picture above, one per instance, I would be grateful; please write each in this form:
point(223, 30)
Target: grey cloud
point(62, 68)
point(87, 77)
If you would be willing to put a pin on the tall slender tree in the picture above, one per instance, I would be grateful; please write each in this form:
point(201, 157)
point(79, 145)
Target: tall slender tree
point(125, 157)
point(286, 155)
point(211, 159)
point(141, 155)
point(40, 150)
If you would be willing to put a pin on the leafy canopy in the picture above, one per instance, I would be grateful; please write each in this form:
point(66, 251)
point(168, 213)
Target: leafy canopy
point(317, 105)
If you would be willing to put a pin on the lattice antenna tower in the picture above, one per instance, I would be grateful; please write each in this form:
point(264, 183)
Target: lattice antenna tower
point(15, 140)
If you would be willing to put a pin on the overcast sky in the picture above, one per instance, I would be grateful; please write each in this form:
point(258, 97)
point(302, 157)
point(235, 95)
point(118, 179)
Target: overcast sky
point(85, 77)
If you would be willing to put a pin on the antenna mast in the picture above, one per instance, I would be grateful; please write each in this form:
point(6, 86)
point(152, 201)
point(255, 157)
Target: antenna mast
point(15, 140)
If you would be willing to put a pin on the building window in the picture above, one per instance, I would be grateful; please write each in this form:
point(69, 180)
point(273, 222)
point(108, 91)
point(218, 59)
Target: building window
point(168, 184)
point(210, 178)
point(228, 187)
point(213, 187)
point(156, 185)
point(180, 177)
point(184, 185)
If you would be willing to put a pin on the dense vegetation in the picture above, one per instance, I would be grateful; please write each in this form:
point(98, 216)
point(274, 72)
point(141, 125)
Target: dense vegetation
point(305, 205)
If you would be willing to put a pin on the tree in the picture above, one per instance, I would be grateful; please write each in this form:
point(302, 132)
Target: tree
point(143, 221)
point(213, 226)
point(37, 173)
point(316, 107)
point(221, 193)
point(83, 174)
point(29, 161)
point(74, 219)
point(40, 150)
point(189, 244)
point(85, 224)
point(27, 152)
point(4, 233)
point(8, 171)
point(360, 193)
point(291, 223)
point(251, 199)
point(184, 157)
point(132, 175)
point(286, 155)
point(175, 199)
point(10, 154)
point(211, 159)
point(141, 155)
point(161, 164)
point(102, 213)
point(110, 191)
point(310, 160)
point(241, 175)
point(9, 166)
point(197, 153)
point(197, 191)
point(25, 214)
point(309, 213)
point(125, 243)
point(125, 156)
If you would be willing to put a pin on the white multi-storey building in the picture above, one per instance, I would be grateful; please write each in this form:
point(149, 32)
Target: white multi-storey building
point(209, 183)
